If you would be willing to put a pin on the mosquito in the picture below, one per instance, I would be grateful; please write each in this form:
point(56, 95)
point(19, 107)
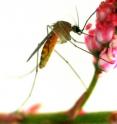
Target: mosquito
point(60, 33)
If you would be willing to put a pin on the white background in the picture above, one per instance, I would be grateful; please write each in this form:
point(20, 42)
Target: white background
point(22, 25)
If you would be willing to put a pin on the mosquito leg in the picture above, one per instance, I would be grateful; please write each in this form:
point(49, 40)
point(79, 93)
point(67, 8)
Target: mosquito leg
point(80, 42)
point(32, 87)
point(72, 68)
point(67, 62)
point(26, 74)
point(88, 52)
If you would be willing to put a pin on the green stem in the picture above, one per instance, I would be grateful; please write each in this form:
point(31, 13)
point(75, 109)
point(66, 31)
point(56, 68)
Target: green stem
point(73, 112)
point(60, 118)
point(92, 85)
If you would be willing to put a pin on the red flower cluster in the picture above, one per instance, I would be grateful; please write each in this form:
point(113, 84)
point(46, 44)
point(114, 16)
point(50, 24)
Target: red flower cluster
point(102, 41)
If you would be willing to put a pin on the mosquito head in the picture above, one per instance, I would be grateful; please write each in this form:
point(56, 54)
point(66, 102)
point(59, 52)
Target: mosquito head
point(76, 29)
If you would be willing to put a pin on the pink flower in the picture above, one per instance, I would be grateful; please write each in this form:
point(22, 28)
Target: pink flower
point(110, 55)
point(103, 39)
point(111, 1)
point(91, 42)
point(113, 46)
point(88, 26)
point(107, 62)
point(33, 109)
point(114, 19)
point(103, 11)
point(104, 32)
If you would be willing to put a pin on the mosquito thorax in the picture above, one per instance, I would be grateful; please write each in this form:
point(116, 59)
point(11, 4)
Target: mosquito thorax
point(76, 29)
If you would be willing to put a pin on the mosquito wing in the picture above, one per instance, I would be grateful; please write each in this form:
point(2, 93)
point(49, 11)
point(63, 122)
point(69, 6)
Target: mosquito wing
point(39, 46)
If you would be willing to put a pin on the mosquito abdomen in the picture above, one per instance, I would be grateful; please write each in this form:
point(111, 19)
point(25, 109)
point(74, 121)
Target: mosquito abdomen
point(47, 49)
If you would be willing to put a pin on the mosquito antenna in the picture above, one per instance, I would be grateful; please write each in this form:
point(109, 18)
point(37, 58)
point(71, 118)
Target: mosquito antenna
point(77, 16)
point(72, 68)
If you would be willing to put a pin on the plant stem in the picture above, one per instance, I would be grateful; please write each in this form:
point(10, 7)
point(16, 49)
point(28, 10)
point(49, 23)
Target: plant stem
point(73, 112)
point(59, 118)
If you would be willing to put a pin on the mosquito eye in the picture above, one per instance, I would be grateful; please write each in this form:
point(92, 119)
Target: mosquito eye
point(76, 29)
